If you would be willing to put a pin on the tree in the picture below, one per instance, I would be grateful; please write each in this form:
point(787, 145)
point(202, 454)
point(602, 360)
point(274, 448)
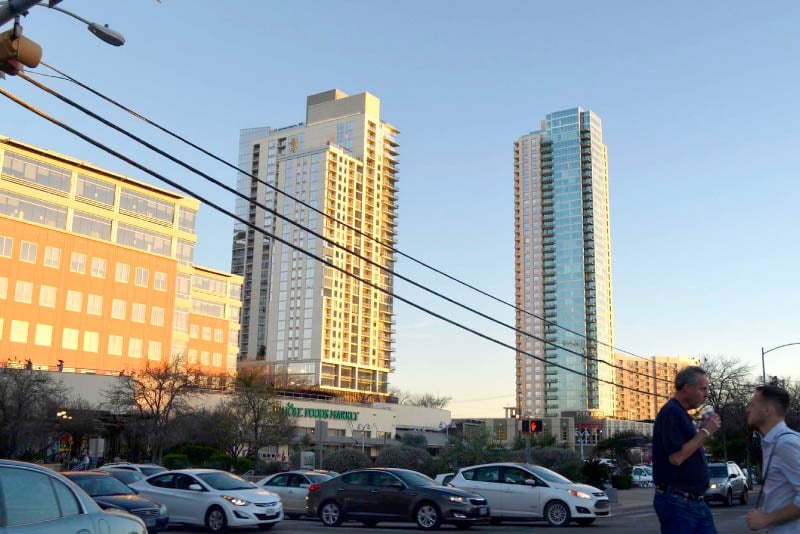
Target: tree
point(27, 398)
point(404, 457)
point(345, 460)
point(730, 384)
point(154, 394)
point(429, 400)
point(414, 439)
point(253, 418)
point(477, 446)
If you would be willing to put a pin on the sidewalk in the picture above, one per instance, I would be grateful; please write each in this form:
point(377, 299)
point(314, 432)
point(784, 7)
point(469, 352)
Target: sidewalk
point(633, 499)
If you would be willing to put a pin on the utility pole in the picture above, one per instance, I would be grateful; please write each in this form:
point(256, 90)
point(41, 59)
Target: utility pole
point(14, 8)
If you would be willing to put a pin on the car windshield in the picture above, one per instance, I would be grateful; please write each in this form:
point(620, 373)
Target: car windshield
point(151, 469)
point(317, 478)
point(412, 478)
point(225, 481)
point(99, 485)
point(547, 475)
point(717, 471)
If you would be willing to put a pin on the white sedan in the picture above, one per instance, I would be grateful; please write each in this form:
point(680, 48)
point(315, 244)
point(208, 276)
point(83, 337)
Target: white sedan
point(521, 492)
point(212, 498)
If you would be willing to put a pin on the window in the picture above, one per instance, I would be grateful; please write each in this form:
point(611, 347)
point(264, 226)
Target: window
point(142, 276)
point(157, 316)
point(53, 498)
point(137, 312)
point(24, 292)
point(192, 355)
point(154, 350)
point(6, 245)
point(115, 345)
point(27, 251)
point(91, 341)
point(180, 321)
point(194, 331)
point(43, 335)
point(123, 273)
point(98, 267)
point(3, 287)
point(279, 481)
point(77, 263)
point(91, 225)
point(160, 281)
point(94, 305)
point(19, 331)
point(135, 348)
point(52, 257)
point(217, 359)
point(184, 286)
point(74, 301)
point(218, 335)
point(69, 339)
point(118, 309)
point(204, 357)
point(47, 296)
point(206, 333)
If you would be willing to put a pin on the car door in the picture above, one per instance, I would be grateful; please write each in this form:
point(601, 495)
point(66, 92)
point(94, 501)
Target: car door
point(191, 504)
point(737, 481)
point(296, 491)
point(280, 484)
point(394, 498)
point(46, 506)
point(520, 498)
point(485, 481)
point(354, 493)
point(161, 489)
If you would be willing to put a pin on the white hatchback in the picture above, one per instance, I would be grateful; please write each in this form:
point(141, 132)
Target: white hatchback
point(212, 498)
point(519, 492)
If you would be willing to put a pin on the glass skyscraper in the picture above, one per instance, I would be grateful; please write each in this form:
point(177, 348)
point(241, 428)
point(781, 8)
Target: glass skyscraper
point(305, 321)
point(563, 266)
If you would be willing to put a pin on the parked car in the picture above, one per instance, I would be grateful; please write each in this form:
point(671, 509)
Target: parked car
point(531, 492)
point(292, 487)
point(126, 476)
point(36, 499)
point(212, 498)
point(145, 469)
point(379, 495)
point(443, 478)
point(642, 475)
point(726, 483)
point(112, 494)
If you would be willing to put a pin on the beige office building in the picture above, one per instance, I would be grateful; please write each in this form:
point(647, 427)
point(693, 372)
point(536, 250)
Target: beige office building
point(653, 375)
point(306, 321)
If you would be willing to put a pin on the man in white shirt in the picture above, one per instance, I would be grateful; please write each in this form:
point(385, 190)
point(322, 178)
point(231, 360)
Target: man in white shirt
point(780, 448)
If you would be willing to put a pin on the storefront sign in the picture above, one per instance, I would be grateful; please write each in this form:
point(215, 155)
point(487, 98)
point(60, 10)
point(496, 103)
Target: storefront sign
point(320, 413)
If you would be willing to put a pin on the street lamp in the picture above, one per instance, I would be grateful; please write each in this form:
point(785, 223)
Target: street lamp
point(364, 429)
point(102, 32)
point(763, 352)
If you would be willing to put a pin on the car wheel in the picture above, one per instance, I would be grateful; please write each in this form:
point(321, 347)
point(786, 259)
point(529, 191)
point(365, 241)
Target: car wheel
point(557, 514)
point(427, 516)
point(330, 514)
point(745, 496)
point(729, 498)
point(585, 521)
point(216, 520)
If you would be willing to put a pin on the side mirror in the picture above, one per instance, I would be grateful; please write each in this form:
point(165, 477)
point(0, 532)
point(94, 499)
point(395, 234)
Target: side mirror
point(195, 487)
point(732, 475)
point(530, 482)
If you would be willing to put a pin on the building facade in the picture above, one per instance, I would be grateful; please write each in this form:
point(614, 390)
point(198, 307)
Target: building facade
point(96, 271)
point(654, 375)
point(302, 319)
point(563, 266)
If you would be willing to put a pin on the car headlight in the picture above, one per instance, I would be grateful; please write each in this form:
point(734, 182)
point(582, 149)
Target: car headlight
point(163, 510)
point(457, 498)
point(579, 494)
point(238, 501)
point(713, 486)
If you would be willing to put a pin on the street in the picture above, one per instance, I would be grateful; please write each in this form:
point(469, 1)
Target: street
point(641, 520)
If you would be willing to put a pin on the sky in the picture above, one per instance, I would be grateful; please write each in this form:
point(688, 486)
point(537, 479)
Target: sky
point(695, 99)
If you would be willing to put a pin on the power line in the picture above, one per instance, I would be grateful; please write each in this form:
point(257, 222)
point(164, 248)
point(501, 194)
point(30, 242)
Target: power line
point(322, 260)
point(389, 246)
point(318, 235)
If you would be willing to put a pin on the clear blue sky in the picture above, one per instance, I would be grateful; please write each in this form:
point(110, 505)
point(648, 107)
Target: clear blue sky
point(696, 100)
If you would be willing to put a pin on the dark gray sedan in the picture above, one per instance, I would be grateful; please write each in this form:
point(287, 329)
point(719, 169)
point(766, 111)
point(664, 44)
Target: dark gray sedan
point(379, 495)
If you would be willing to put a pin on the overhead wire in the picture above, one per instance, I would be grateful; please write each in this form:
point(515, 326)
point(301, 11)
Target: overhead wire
point(377, 240)
point(332, 242)
point(187, 191)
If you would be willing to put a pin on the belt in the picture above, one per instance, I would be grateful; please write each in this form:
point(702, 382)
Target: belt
point(679, 492)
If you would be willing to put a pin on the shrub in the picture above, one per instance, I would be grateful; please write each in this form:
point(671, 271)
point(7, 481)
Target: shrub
point(345, 460)
point(595, 473)
point(622, 481)
point(220, 461)
point(175, 461)
point(242, 465)
point(197, 454)
point(404, 457)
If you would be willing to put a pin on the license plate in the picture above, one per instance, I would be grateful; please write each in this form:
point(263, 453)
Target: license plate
point(483, 510)
point(269, 510)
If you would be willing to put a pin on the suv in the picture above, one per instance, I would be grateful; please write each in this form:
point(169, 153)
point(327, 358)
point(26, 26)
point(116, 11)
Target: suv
point(726, 483)
point(145, 469)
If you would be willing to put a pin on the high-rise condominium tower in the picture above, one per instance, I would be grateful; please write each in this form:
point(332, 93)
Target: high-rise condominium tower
point(307, 321)
point(563, 266)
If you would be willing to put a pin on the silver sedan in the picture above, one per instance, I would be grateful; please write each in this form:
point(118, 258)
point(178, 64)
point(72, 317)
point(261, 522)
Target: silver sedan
point(293, 486)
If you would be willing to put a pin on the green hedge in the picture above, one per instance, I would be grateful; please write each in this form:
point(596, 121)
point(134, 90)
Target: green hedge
point(175, 461)
point(622, 481)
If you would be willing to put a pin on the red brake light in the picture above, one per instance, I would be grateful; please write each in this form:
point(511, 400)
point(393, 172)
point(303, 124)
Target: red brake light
point(313, 487)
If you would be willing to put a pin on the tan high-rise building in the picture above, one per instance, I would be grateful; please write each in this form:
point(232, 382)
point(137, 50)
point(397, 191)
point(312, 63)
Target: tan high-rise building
point(96, 270)
point(303, 320)
point(660, 374)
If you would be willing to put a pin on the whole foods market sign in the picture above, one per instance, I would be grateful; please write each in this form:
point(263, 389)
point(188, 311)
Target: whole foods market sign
point(320, 413)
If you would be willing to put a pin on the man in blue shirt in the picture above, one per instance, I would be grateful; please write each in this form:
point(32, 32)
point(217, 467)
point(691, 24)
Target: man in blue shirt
point(680, 472)
point(780, 448)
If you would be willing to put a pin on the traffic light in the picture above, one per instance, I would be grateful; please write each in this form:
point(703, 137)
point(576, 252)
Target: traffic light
point(17, 51)
point(530, 426)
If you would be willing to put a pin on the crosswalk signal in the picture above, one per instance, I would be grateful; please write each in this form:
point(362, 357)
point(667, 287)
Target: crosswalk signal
point(531, 426)
point(17, 51)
